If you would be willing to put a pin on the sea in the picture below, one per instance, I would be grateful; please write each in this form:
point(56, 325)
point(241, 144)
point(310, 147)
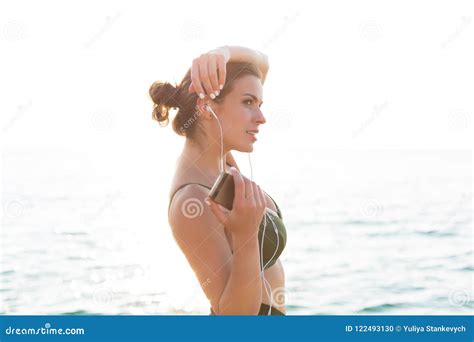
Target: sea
point(370, 232)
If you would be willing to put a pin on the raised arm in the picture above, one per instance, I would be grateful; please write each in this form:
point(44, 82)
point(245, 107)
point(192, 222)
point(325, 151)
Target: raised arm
point(243, 54)
point(208, 71)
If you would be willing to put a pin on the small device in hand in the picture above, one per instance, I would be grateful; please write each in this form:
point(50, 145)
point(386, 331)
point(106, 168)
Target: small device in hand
point(222, 192)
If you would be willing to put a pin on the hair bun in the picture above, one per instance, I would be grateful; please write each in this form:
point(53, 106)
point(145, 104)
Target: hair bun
point(164, 96)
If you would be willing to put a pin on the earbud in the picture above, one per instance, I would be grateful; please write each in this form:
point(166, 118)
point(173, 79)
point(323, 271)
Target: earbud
point(209, 110)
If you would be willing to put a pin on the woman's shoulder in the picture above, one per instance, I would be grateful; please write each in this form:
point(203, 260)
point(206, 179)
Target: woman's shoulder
point(187, 206)
point(182, 187)
point(186, 191)
point(190, 218)
point(184, 180)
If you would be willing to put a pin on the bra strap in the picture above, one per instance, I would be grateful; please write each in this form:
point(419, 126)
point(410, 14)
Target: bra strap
point(179, 188)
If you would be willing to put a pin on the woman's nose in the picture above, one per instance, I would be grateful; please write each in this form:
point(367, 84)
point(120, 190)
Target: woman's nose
point(260, 117)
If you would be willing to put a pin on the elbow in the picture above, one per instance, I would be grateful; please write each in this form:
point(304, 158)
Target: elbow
point(265, 61)
point(264, 65)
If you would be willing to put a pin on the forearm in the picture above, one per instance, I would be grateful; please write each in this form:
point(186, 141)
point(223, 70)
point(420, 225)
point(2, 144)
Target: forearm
point(243, 54)
point(243, 292)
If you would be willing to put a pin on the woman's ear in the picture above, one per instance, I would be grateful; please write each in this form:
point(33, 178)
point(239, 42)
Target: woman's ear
point(201, 102)
point(201, 107)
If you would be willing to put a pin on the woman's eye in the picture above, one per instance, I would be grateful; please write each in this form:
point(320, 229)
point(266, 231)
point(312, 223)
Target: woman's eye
point(250, 102)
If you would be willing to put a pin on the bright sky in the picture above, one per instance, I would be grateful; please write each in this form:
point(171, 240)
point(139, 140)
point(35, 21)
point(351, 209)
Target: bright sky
point(343, 75)
point(369, 74)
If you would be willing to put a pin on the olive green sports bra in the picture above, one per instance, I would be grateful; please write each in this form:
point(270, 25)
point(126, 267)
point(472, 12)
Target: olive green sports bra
point(274, 240)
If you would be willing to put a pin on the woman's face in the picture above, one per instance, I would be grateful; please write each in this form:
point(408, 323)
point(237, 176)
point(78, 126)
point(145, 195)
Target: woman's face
point(240, 114)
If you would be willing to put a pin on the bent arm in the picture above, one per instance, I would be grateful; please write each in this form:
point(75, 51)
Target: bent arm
point(231, 281)
point(243, 54)
point(243, 291)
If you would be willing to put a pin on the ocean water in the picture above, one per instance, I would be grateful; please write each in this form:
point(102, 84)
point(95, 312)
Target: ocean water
point(369, 232)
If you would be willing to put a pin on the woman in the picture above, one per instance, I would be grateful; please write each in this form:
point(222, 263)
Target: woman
point(234, 254)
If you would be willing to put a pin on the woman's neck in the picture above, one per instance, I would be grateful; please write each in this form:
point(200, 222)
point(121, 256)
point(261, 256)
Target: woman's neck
point(206, 157)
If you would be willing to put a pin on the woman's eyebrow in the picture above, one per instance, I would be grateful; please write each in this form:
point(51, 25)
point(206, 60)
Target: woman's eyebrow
point(253, 96)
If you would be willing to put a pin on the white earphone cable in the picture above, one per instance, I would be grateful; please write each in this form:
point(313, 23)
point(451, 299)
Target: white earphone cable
point(266, 284)
point(222, 163)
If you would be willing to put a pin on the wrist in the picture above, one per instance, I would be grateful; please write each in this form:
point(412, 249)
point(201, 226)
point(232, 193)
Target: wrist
point(245, 239)
point(222, 50)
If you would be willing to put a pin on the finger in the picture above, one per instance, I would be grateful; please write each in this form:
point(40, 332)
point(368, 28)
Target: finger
point(191, 88)
point(264, 201)
point(196, 81)
point(256, 195)
point(204, 77)
point(256, 199)
point(239, 186)
point(212, 69)
point(261, 196)
point(218, 213)
point(249, 190)
point(222, 70)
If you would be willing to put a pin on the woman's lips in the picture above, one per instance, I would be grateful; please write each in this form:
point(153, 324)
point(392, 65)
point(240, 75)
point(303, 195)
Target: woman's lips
point(252, 134)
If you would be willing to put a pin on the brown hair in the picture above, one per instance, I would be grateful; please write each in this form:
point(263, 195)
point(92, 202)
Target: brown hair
point(166, 96)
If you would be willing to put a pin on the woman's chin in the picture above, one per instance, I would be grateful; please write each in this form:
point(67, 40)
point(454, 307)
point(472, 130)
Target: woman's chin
point(245, 148)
